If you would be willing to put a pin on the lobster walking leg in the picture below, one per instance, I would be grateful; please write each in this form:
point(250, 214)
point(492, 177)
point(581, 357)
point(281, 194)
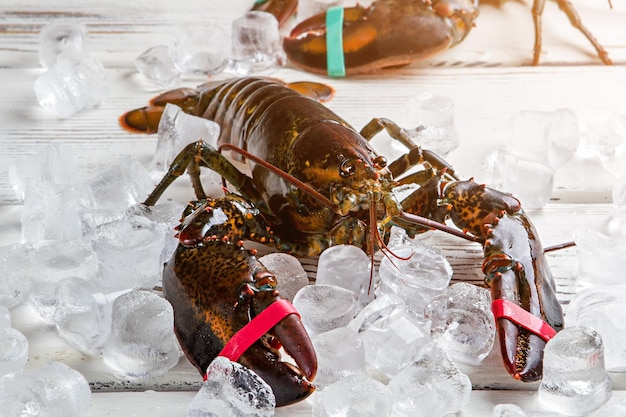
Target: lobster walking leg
point(567, 8)
point(416, 154)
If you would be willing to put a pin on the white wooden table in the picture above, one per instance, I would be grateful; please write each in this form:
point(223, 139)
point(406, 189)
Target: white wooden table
point(488, 78)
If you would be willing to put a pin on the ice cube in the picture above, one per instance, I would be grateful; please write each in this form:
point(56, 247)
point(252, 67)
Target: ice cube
point(606, 138)
point(256, 39)
point(176, 130)
point(129, 251)
point(289, 272)
point(50, 391)
point(600, 258)
point(340, 353)
point(602, 309)
point(167, 216)
point(120, 185)
point(429, 119)
point(462, 323)
point(325, 307)
point(157, 65)
point(55, 37)
point(309, 8)
point(550, 138)
point(13, 351)
point(346, 266)
point(425, 274)
point(76, 80)
point(79, 318)
point(530, 180)
point(357, 395)
point(391, 335)
point(142, 342)
point(574, 381)
point(51, 212)
point(431, 386)
point(200, 49)
point(53, 166)
point(16, 274)
point(232, 390)
point(53, 262)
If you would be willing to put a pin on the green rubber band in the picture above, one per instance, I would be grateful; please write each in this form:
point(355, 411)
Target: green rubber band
point(335, 65)
point(260, 1)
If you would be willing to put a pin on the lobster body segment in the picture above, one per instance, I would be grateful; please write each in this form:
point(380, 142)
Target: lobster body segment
point(315, 182)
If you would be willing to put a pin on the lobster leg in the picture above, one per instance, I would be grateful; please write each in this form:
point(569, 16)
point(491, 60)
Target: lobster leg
point(416, 154)
point(201, 153)
point(568, 8)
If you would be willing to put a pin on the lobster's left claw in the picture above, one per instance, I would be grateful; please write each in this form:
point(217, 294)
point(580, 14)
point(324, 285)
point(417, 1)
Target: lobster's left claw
point(525, 306)
point(386, 34)
point(290, 383)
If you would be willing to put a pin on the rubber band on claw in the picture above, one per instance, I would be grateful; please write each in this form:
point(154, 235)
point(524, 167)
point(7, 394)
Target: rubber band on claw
point(505, 309)
point(334, 42)
point(256, 328)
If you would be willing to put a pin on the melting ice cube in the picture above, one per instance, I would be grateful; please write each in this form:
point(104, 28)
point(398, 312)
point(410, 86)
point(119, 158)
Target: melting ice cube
point(574, 381)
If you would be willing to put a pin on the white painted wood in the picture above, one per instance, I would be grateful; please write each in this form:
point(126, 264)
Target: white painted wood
point(487, 76)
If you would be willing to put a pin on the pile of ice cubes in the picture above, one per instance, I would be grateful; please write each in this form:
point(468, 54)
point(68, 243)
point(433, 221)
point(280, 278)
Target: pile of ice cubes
point(74, 77)
point(538, 145)
point(52, 390)
point(253, 47)
point(88, 247)
point(383, 350)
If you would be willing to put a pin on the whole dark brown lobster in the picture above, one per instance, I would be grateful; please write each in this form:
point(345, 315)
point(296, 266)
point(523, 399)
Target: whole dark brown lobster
point(316, 182)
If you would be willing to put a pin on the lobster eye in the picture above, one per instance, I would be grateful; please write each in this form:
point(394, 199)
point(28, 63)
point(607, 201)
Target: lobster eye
point(347, 168)
point(380, 162)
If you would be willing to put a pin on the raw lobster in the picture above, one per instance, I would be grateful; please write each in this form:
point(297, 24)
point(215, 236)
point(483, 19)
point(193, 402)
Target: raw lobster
point(391, 33)
point(316, 182)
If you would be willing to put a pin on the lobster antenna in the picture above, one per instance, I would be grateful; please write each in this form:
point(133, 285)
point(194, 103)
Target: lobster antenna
point(376, 238)
point(559, 246)
point(423, 221)
point(323, 200)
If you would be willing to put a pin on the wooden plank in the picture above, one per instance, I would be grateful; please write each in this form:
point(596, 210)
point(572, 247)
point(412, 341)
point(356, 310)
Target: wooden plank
point(139, 404)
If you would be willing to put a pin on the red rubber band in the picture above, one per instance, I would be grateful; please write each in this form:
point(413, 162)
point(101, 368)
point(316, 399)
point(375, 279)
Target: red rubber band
point(508, 310)
point(256, 328)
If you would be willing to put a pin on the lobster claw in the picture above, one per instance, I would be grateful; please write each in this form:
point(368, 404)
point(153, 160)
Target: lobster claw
point(525, 306)
point(385, 34)
point(290, 383)
point(226, 303)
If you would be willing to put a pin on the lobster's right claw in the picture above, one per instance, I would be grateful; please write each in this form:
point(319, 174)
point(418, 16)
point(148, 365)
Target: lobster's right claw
point(385, 34)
